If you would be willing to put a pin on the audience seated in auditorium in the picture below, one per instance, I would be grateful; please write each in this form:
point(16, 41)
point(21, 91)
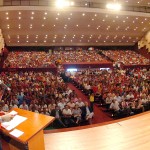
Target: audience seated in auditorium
point(28, 60)
point(126, 57)
point(128, 90)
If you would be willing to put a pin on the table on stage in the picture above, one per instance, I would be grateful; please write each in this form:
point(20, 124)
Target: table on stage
point(33, 137)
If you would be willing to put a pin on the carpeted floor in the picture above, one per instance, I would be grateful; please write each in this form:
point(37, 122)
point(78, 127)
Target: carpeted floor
point(100, 116)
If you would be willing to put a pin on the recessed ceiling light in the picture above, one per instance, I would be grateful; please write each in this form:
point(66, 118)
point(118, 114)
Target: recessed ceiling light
point(42, 25)
point(6, 13)
point(54, 25)
point(19, 18)
point(95, 15)
point(56, 18)
point(68, 18)
point(32, 17)
point(92, 19)
point(19, 13)
point(18, 41)
point(45, 13)
point(36, 41)
point(7, 18)
point(83, 14)
point(32, 13)
point(77, 25)
point(27, 41)
point(44, 18)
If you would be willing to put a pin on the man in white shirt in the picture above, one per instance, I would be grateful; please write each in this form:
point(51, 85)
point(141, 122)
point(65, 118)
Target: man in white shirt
point(114, 105)
point(67, 116)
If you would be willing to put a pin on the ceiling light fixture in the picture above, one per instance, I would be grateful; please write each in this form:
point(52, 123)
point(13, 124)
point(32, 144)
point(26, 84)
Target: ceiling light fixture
point(63, 3)
point(114, 6)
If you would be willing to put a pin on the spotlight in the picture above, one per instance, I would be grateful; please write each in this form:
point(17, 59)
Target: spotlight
point(113, 6)
point(63, 3)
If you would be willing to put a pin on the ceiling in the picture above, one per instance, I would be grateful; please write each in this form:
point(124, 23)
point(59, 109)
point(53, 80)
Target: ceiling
point(75, 26)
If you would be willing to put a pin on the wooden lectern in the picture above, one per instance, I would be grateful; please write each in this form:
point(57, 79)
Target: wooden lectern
point(33, 137)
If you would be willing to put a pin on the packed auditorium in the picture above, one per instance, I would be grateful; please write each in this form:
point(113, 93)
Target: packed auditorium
point(74, 75)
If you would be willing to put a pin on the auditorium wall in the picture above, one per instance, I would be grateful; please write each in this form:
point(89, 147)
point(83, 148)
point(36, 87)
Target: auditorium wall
point(1, 41)
point(145, 42)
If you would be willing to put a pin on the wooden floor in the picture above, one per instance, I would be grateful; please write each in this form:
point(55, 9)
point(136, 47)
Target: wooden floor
point(125, 134)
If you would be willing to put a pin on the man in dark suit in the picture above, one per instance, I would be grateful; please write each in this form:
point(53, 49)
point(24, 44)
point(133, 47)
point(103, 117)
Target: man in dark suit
point(87, 113)
point(57, 113)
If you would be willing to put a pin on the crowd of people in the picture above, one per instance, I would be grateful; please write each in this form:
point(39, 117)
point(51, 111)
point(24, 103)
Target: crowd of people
point(26, 59)
point(42, 59)
point(122, 91)
point(126, 57)
point(78, 56)
point(44, 93)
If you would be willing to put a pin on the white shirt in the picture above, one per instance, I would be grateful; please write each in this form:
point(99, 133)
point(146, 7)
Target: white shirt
point(115, 106)
point(67, 112)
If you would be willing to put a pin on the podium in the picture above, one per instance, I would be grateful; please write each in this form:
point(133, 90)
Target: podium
point(33, 137)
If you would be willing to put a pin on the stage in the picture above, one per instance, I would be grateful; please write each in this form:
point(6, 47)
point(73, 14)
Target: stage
point(131, 133)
